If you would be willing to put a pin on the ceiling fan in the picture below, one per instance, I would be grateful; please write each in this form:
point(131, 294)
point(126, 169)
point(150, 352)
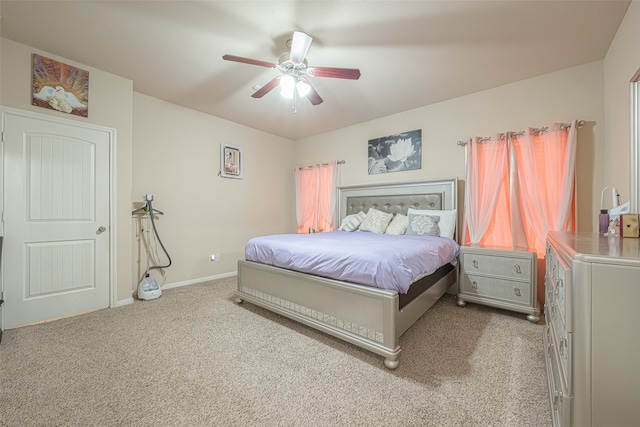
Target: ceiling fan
point(294, 69)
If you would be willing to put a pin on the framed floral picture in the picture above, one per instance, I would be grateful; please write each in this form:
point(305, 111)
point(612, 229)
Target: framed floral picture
point(230, 161)
point(394, 153)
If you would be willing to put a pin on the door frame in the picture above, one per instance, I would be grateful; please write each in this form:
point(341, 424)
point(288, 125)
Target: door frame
point(112, 228)
point(635, 142)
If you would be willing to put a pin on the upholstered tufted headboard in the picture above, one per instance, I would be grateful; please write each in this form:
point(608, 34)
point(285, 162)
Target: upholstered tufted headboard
point(439, 194)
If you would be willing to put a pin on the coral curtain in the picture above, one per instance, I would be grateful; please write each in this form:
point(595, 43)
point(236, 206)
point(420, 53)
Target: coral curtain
point(316, 192)
point(486, 216)
point(546, 178)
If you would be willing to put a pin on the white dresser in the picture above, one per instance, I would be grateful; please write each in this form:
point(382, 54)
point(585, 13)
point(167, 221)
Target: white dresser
point(499, 277)
point(592, 332)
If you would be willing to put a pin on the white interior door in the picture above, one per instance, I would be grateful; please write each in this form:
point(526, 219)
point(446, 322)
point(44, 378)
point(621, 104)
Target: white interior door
point(56, 219)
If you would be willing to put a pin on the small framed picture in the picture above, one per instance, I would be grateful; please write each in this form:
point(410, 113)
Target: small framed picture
point(230, 161)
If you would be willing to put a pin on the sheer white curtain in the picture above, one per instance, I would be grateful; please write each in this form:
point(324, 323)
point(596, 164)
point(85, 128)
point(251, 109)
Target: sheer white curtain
point(487, 163)
point(316, 192)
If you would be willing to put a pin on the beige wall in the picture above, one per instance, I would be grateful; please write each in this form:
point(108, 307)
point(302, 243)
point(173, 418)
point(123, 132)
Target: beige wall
point(110, 104)
point(620, 64)
point(575, 93)
point(176, 157)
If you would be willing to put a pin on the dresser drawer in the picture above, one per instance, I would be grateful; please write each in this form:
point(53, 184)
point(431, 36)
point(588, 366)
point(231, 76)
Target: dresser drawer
point(509, 267)
point(562, 344)
point(558, 395)
point(549, 294)
point(496, 288)
point(558, 286)
point(550, 274)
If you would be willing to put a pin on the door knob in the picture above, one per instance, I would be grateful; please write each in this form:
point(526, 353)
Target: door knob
point(101, 229)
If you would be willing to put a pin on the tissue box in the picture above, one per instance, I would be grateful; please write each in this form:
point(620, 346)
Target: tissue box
point(629, 225)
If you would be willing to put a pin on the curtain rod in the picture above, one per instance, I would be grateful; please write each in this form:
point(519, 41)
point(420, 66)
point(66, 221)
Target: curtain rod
point(339, 162)
point(536, 130)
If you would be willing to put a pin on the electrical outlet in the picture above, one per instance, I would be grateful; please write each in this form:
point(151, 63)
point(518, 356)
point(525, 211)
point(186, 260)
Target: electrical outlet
point(214, 257)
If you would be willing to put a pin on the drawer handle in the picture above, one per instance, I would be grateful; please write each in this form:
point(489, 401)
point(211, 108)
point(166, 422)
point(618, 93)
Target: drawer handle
point(556, 397)
point(517, 267)
point(517, 291)
point(475, 263)
point(563, 345)
point(474, 284)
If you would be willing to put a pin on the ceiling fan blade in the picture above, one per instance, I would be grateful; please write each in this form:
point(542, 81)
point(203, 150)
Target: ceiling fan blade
point(299, 47)
point(313, 96)
point(266, 88)
point(248, 61)
point(336, 73)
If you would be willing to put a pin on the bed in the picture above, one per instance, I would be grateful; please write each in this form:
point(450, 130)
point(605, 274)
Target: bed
point(366, 316)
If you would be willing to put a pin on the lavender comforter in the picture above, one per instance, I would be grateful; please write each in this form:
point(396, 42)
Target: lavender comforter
point(378, 260)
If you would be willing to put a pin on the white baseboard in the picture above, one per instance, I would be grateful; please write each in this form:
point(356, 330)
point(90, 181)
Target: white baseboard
point(199, 280)
point(124, 302)
point(128, 301)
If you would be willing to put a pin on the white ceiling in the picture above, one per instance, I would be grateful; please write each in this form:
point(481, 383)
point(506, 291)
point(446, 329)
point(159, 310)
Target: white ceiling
point(410, 53)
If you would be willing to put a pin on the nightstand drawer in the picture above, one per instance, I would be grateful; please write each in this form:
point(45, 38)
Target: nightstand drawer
point(502, 266)
point(496, 288)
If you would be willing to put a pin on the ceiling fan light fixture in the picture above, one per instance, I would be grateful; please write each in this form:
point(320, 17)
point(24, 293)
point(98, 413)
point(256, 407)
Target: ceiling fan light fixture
point(287, 86)
point(303, 87)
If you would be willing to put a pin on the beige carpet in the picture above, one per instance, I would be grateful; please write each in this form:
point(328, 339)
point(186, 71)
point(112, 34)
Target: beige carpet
point(195, 358)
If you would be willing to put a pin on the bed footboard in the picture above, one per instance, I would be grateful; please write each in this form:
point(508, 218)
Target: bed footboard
point(363, 316)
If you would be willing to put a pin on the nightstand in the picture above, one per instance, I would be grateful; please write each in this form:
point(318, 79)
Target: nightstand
point(499, 277)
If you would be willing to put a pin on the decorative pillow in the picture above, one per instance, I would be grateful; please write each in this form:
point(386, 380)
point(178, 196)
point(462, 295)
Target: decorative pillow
point(398, 225)
point(352, 222)
point(423, 225)
point(447, 222)
point(376, 221)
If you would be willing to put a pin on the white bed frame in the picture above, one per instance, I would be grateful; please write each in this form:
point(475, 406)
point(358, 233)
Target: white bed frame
point(364, 316)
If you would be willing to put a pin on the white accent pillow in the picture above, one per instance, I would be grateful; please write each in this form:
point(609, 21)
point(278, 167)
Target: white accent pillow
point(398, 225)
point(423, 225)
point(448, 220)
point(376, 221)
point(352, 222)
